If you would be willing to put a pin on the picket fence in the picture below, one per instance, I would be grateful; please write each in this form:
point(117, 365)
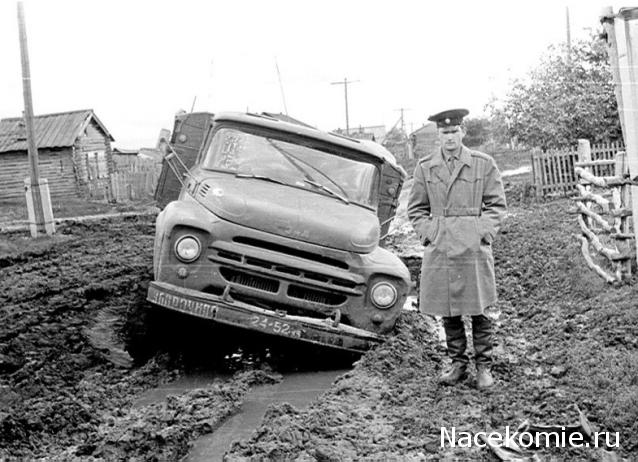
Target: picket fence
point(554, 171)
point(133, 182)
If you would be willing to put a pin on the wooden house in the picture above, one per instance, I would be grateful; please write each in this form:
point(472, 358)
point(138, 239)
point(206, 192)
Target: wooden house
point(74, 151)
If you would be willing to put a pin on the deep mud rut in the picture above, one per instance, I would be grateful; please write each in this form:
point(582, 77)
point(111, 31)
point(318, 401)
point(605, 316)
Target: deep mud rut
point(77, 346)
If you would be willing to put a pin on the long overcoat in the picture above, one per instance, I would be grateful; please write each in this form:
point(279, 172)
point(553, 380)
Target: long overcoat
point(457, 215)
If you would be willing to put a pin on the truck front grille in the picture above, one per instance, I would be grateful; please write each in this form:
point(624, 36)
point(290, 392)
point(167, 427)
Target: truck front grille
point(309, 276)
point(316, 296)
point(296, 282)
point(249, 280)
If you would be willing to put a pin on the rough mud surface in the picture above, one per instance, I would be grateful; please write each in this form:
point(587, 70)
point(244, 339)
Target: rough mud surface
point(77, 346)
point(563, 336)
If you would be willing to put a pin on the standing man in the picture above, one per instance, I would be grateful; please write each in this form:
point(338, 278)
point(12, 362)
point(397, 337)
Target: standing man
point(456, 207)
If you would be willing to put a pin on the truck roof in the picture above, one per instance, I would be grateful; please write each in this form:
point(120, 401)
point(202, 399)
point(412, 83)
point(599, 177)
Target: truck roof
point(363, 146)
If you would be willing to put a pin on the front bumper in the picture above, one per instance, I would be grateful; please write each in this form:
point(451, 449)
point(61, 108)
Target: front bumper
point(225, 310)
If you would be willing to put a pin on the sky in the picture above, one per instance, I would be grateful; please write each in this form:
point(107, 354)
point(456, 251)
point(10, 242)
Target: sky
point(136, 63)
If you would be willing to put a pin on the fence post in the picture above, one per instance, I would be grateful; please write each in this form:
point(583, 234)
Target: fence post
point(536, 173)
point(112, 182)
point(584, 155)
point(624, 197)
point(584, 152)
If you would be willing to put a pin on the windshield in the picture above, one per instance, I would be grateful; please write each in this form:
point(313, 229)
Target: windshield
point(256, 156)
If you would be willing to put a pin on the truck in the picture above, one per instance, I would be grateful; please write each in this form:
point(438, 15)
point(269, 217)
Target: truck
point(271, 225)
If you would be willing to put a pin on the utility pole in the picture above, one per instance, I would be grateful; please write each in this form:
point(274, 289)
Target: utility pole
point(401, 110)
point(37, 191)
point(622, 36)
point(345, 86)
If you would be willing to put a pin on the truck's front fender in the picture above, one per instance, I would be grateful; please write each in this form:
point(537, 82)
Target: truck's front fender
point(185, 213)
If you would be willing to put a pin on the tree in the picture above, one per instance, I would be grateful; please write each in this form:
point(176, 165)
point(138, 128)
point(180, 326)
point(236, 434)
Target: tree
point(564, 98)
point(477, 131)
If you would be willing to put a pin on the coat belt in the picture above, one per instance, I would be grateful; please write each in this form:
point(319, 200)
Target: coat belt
point(455, 211)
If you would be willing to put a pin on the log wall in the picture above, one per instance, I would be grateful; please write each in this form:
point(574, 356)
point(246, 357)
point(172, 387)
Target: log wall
point(55, 166)
point(92, 170)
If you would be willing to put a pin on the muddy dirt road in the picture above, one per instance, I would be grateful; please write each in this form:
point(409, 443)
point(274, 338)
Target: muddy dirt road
point(77, 349)
point(79, 346)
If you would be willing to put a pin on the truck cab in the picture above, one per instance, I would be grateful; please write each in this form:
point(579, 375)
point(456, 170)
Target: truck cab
point(277, 228)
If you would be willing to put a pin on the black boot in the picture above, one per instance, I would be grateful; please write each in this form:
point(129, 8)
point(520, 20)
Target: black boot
point(456, 344)
point(482, 336)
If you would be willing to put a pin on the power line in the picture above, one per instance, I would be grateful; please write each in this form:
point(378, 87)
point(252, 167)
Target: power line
point(345, 87)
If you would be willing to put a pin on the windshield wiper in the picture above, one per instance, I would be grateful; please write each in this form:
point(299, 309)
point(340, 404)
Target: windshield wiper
point(260, 177)
point(327, 189)
point(295, 161)
point(272, 180)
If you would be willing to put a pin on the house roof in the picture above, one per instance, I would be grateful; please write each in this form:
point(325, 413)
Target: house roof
point(125, 152)
point(429, 127)
point(57, 130)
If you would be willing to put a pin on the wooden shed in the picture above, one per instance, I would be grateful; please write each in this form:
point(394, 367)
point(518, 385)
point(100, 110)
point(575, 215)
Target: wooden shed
point(74, 154)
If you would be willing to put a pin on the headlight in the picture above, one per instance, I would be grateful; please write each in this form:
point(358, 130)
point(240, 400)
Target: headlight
point(188, 248)
point(383, 294)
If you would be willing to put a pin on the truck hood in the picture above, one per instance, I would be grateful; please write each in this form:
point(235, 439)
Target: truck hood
point(291, 212)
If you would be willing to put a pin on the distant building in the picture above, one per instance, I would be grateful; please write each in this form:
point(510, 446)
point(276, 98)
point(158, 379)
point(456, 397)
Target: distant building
point(425, 140)
point(123, 157)
point(151, 154)
point(74, 151)
point(397, 142)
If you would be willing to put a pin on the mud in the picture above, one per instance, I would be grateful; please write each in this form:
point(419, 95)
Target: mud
point(78, 346)
point(563, 337)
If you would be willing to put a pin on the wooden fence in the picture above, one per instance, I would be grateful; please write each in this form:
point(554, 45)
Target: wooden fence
point(134, 182)
point(605, 217)
point(554, 172)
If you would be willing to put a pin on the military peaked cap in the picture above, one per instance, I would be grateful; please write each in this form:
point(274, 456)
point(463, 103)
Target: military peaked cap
point(449, 118)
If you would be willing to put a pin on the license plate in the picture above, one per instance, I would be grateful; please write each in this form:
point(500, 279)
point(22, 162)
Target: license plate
point(277, 327)
point(198, 308)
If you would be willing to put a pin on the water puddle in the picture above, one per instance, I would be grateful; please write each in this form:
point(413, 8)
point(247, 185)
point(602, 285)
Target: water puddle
point(298, 388)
